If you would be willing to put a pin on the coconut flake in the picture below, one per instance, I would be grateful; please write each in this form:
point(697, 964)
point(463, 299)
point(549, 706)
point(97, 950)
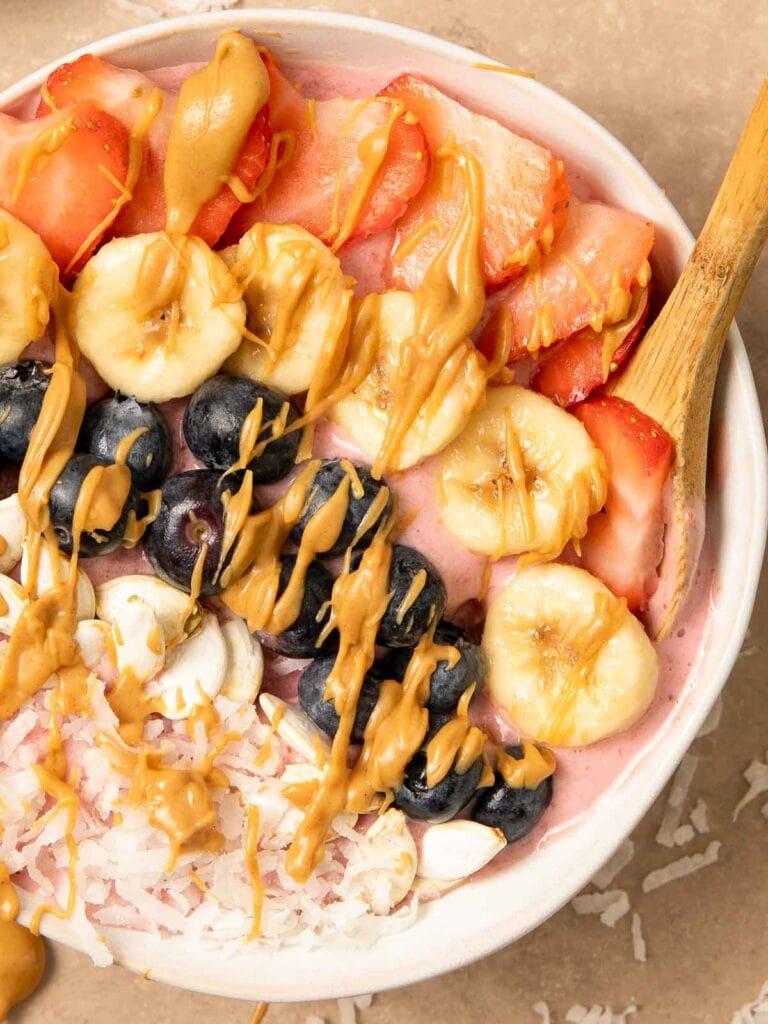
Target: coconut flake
point(676, 800)
point(543, 1011)
point(639, 948)
point(597, 1014)
point(684, 834)
point(363, 1002)
point(315, 1020)
point(347, 1011)
point(757, 777)
point(682, 867)
point(756, 1012)
point(603, 903)
point(616, 911)
point(613, 867)
point(699, 817)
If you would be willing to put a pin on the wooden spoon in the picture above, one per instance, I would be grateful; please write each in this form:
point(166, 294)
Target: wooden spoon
point(672, 375)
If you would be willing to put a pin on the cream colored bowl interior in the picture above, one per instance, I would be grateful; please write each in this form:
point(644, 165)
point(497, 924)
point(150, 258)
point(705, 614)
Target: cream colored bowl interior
point(494, 910)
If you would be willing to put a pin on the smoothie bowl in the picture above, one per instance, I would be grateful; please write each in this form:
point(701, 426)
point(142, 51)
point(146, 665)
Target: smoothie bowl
point(329, 572)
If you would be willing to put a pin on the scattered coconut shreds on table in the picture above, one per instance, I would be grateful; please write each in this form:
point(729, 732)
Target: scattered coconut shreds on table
point(699, 817)
point(347, 1011)
point(543, 1011)
point(597, 1014)
point(611, 905)
point(756, 1012)
point(764, 810)
point(170, 8)
point(639, 947)
point(613, 867)
point(678, 793)
point(315, 1020)
point(757, 777)
point(682, 867)
point(713, 719)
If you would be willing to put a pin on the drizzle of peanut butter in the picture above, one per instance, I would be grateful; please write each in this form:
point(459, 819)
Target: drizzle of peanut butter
point(22, 954)
point(216, 108)
point(529, 771)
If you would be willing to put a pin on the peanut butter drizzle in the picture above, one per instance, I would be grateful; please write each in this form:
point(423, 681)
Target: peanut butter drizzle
point(458, 744)
point(68, 801)
point(22, 954)
point(50, 139)
point(536, 765)
point(252, 863)
point(216, 108)
point(136, 526)
point(259, 1013)
point(612, 337)
point(281, 149)
point(411, 595)
point(160, 281)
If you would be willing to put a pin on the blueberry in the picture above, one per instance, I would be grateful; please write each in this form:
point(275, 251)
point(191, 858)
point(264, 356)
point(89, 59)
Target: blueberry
point(214, 420)
point(300, 640)
point(22, 388)
point(408, 617)
point(325, 484)
point(191, 514)
point(322, 711)
point(436, 803)
point(62, 501)
point(446, 684)
point(106, 424)
point(514, 810)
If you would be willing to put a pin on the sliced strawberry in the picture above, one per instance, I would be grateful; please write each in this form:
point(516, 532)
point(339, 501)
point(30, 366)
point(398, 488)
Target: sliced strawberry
point(315, 186)
point(600, 254)
point(571, 370)
point(62, 175)
point(126, 94)
point(625, 543)
point(525, 188)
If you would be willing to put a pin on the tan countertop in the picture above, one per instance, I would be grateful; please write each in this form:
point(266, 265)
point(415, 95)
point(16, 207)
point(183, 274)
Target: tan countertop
point(675, 82)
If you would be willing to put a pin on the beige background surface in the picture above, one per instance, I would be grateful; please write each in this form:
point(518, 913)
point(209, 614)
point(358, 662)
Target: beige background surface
point(674, 80)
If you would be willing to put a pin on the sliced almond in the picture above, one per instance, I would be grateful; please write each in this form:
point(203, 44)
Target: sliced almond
point(194, 671)
point(383, 865)
point(13, 528)
point(94, 638)
point(171, 606)
point(245, 663)
point(457, 849)
point(139, 640)
point(297, 729)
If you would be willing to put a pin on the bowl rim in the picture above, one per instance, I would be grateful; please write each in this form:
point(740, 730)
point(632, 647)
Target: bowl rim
point(735, 367)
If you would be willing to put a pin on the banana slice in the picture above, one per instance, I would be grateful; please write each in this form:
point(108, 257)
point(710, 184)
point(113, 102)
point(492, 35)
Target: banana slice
point(523, 477)
point(47, 579)
point(171, 606)
point(194, 671)
point(296, 729)
point(365, 413)
point(245, 663)
point(567, 660)
point(13, 528)
point(157, 316)
point(28, 279)
point(298, 302)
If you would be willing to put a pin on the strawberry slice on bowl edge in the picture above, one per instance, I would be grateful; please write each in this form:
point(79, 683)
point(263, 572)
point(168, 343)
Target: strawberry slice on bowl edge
point(572, 369)
point(64, 175)
point(624, 543)
point(584, 281)
point(526, 190)
point(323, 184)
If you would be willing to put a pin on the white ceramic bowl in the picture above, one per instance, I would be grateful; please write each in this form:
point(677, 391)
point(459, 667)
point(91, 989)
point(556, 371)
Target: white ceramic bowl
point(493, 911)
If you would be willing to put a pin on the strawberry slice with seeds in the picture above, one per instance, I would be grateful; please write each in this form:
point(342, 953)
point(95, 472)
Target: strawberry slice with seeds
point(323, 184)
point(126, 94)
point(625, 542)
point(525, 190)
point(572, 369)
point(584, 281)
point(62, 175)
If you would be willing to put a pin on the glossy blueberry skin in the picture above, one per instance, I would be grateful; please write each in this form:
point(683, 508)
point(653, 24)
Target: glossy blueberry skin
point(214, 420)
point(106, 424)
point(446, 684)
point(438, 803)
point(325, 484)
point(300, 639)
point(22, 389)
point(428, 606)
point(62, 501)
point(514, 811)
point(191, 514)
point(323, 712)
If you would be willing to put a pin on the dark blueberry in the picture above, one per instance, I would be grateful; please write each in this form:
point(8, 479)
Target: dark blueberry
point(325, 484)
point(446, 684)
point(106, 424)
point(436, 803)
point(415, 603)
point(22, 388)
point(191, 514)
point(322, 711)
point(214, 420)
point(62, 501)
point(301, 639)
point(514, 810)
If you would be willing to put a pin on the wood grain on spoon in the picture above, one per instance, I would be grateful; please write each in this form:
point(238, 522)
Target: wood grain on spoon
point(672, 375)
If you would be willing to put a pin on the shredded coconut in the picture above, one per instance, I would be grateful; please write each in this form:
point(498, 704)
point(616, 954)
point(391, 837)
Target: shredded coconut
point(757, 777)
point(613, 868)
point(756, 1012)
point(682, 867)
point(315, 1020)
point(543, 1011)
point(597, 1014)
point(639, 948)
point(347, 1011)
point(676, 801)
point(611, 905)
point(684, 834)
point(363, 1002)
point(699, 818)
point(169, 8)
